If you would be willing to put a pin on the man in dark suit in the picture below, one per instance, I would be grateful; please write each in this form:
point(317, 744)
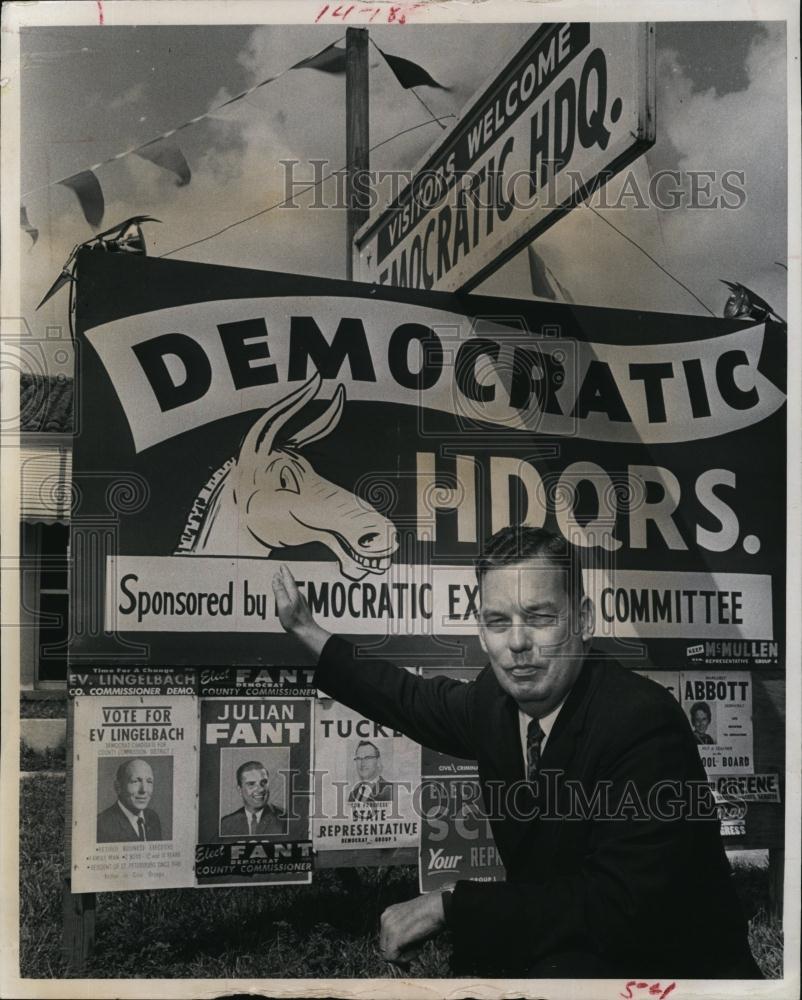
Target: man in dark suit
point(371, 786)
point(597, 797)
point(129, 818)
point(257, 817)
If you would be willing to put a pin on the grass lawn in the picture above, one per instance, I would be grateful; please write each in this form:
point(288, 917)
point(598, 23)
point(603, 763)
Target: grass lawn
point(327, 929)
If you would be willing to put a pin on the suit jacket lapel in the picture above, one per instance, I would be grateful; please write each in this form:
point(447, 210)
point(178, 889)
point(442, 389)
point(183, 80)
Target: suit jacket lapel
point(570, 721)
point(558, 753)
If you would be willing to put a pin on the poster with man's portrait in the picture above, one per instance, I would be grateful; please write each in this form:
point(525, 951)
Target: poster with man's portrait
point(367, 782)
point(254, 791)
point(254, 788)
point(135, 798)
point(134, 802)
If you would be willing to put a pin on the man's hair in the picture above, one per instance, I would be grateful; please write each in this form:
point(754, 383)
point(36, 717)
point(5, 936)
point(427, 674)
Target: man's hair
point(701, 706)
point(367, 743)
point(121, 775)
point(249, 765)
point(518, 543)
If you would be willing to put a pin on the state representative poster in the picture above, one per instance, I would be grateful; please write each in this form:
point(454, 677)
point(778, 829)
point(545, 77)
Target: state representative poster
point(719, 709)
point(367, 779)
point(253, 789)
point(134, 792)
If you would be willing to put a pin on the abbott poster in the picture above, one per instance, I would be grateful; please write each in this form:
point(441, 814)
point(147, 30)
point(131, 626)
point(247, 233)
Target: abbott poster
point(366, 782)
point(719, 709)
point(134, 792)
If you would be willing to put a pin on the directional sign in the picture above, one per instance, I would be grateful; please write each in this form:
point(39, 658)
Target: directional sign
point(568, 112)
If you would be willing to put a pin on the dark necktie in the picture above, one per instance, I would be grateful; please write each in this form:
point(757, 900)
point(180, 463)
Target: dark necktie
point(534, 737)
point(141, 825)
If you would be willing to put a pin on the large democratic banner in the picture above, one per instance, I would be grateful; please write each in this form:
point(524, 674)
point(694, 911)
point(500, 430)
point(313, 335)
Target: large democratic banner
point(371, 438)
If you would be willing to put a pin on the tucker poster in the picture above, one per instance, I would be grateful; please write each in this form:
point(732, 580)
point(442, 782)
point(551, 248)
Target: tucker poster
point(366, 780)
point(371, 437)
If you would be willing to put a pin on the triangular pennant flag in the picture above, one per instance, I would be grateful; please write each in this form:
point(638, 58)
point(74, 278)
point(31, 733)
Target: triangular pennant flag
point(328, 60)
point(544, 283)
point(89, 193)
point(60, 282)
point(29, 229)
point(410, 74)
point(165, 153)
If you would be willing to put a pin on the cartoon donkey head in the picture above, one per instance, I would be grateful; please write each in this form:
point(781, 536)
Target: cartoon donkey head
point(282, 501)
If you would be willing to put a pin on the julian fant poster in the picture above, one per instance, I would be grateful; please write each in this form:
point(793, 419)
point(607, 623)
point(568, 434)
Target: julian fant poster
point(253, 814)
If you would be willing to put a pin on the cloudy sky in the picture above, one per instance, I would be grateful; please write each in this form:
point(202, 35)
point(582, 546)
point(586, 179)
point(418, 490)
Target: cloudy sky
point(89, 93)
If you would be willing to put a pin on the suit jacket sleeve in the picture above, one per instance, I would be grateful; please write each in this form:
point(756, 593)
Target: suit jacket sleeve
point(630, 868)
point(435, 712)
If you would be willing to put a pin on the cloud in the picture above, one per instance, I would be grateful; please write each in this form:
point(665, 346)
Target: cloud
point(235, 159)
point(697, 131)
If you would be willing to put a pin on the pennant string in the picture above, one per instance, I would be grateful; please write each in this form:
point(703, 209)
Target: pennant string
point(304, 63)
point(310, 187)
point(652, 259)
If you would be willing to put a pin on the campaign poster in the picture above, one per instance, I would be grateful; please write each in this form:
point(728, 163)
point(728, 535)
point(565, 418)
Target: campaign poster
point(731, 815)
point(253, 809)
point(456, 840)
point(134, 792)
point(372, 437)
point(256, 682)
point(719, 709)
point(748, 787)
point(367, 779)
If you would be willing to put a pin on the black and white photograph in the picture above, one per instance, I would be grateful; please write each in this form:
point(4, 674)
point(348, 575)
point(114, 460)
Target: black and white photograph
point(383, 384)
point(130, 816)
point(140, 797)
point(252, 792)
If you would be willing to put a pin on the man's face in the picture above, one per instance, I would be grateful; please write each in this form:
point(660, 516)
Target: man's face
point(535, 641)
point(368, 763)
point(254, 788)
point(700, 721)
point(137, 788)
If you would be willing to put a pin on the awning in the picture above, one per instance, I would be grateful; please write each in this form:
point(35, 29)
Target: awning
point(46, 483)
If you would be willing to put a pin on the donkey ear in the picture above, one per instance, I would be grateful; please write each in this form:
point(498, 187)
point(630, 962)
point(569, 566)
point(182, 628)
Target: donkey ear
point(262, 435)
point(324, 424)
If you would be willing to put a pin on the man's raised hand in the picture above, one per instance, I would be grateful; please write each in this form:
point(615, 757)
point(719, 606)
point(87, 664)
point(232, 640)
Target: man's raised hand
point(294, 613)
